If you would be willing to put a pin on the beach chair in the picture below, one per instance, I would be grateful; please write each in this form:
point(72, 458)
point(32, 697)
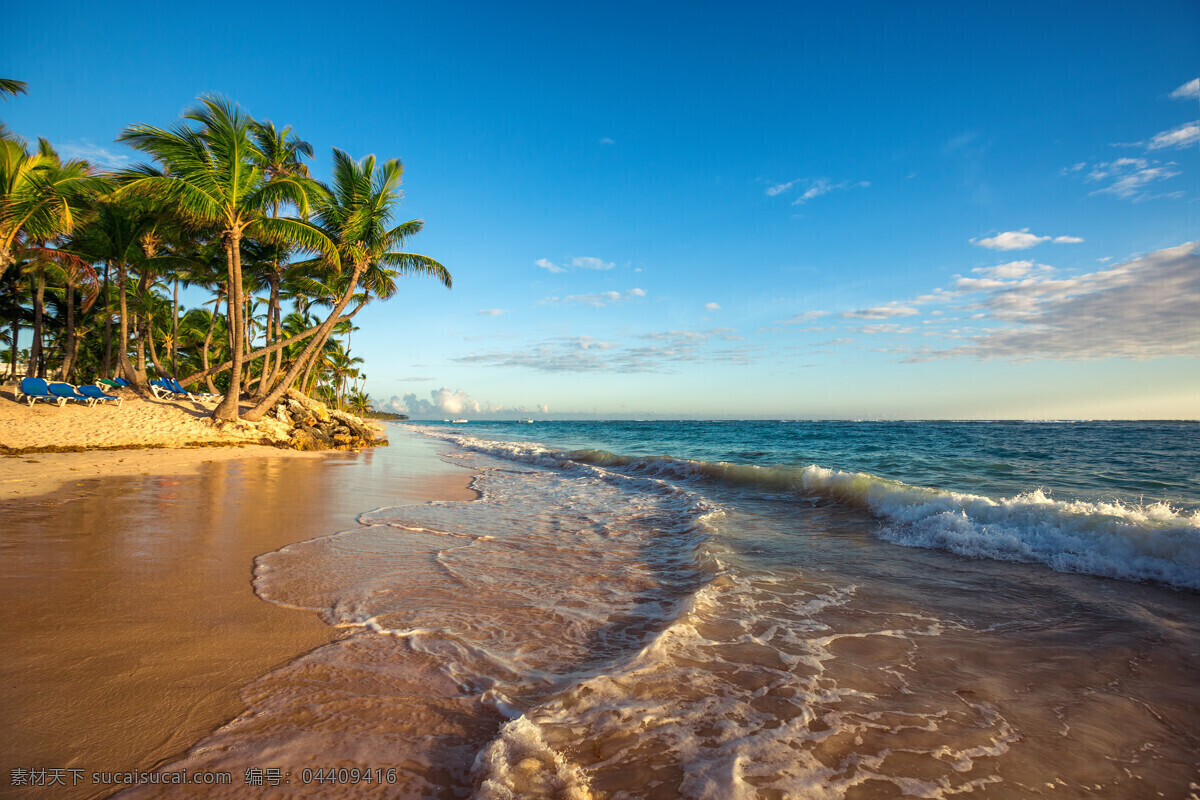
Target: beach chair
point(109, 382)
point(68, 392)
point(99, 395)
point(122, 382)
point(34, 389)
point(165, 387)
point(178, 388)
point(159, 389)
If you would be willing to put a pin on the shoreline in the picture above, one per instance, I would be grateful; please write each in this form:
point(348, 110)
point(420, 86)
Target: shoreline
point(132, 622)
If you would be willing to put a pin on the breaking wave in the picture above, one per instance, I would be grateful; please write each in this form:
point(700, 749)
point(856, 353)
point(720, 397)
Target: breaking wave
point(1136, 542)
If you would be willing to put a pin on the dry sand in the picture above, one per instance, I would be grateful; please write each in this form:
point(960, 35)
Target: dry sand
point(160, 423)
point(129, 618)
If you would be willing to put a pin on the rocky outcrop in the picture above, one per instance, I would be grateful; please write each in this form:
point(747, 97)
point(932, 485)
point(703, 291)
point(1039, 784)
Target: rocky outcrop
point(302, 423)
point(311, 425)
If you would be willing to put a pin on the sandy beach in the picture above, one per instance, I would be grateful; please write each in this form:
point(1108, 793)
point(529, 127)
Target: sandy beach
point(130, 619)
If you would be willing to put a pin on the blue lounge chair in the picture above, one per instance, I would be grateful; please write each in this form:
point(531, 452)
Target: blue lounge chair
point(34, 389)
point(99, 395)
point(159, 388)
point(109, 382)
point(178, 387)
point(166, 387)
point(122, 382)
point(67, 391)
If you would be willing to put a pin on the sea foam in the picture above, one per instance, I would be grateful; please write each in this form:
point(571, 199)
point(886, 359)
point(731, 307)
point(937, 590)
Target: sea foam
point(1137, 542)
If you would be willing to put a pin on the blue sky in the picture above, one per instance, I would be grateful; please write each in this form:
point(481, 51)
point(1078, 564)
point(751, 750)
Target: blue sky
point(952, 210)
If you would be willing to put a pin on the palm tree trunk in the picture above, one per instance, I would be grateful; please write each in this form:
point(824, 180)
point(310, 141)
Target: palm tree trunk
point(16, 326)
point(69, 348)
point(248, 339)
point(212, 323)
point(127, 368)
point(175, 332)
point(36, 363)
point(162, 372)
point(227, 409)
point(141, 352)
point(106, 368)
point(268, 372)
point(310, 351)
point(278, 353)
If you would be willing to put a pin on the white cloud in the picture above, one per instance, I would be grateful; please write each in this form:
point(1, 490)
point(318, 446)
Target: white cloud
point(814, 187)
point(885, 327)
point(441, 401)
point(1144, 308)
point(1128, 178)
point(1011, 240)
point(712, 306)
point(1189, 89)
point(1013, 269)
point(588, 262)
point(579, 262)
point(805, 316)
point(780, 188)
point(491, 312)
point(446, 403)
point(596, 300)
point(95, 154)
point(606, 140)
point(1183, 136)
point(1021, 240)
point(648, 352)
point(880, 312)
point(822, 186)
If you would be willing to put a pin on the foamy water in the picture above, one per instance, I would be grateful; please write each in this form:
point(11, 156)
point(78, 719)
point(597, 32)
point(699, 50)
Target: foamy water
point(601, 625)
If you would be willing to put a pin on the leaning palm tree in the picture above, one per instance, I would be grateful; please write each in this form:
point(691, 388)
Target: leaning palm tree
point(355, 214)
point(282, 156)
point(213, 175)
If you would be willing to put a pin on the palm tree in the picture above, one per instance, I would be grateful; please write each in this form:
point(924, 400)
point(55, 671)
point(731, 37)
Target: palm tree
point(354, 214)
point(282, 154)
point(360, 402)
point(117, 235)
point(39, 195)
point(214, 175)
point(11, 87)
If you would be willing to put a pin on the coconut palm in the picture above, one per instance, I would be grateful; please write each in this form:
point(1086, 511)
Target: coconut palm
point(40, 195)
point(354, 213)
point(11, 87)
point(118, 234)
point(213, 175)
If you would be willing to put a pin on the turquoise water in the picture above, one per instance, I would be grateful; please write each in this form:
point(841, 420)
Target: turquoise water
point(1132, 462)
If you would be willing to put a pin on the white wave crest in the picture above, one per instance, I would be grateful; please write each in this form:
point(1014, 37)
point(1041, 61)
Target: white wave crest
point(1136, 542)
point(1132, 542)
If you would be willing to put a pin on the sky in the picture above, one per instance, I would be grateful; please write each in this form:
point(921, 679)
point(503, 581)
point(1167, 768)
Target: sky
point(779, 210)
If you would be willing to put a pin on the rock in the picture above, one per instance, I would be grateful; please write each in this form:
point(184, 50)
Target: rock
point(305, 440)
point(303, 423)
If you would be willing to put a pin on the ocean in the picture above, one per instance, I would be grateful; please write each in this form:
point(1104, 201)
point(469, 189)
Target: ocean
point(759, 610)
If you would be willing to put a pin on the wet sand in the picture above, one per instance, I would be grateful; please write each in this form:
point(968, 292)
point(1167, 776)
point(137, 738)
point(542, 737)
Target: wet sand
point(130, 624)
